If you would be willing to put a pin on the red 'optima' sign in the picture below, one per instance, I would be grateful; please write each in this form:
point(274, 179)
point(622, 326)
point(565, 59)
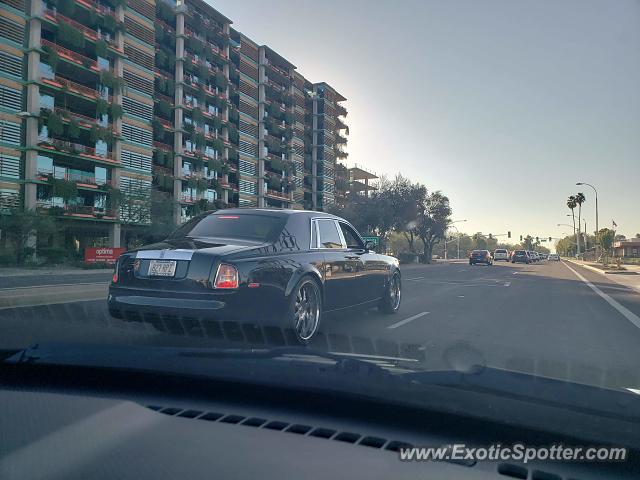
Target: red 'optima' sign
point(102, 254)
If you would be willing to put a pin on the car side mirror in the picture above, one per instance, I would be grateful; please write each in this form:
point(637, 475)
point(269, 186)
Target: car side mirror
point(369, 245)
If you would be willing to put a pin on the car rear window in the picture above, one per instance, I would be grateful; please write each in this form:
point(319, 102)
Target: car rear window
point(262, 228)
point(520, 252)
point(501, 251)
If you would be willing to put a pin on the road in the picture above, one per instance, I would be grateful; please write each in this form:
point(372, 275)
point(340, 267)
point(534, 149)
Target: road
point(553, 319)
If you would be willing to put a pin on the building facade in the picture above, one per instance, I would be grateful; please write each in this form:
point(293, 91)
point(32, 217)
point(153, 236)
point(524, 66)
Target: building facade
point(116, 114)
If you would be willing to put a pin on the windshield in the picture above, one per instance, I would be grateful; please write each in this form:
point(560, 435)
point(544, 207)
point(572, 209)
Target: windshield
point(329, 178)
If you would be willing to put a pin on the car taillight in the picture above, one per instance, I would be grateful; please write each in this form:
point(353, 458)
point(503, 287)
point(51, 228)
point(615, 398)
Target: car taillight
point(114, 279)
point(226, 276)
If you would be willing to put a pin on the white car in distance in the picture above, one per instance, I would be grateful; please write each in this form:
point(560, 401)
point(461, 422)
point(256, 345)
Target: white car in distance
point(501, 254)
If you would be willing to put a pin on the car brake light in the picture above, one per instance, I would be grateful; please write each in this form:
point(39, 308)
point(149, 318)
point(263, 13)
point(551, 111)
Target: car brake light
point(226, 276)
point(114, 279)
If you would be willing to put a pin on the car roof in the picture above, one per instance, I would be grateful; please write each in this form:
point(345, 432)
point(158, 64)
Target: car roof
point(272, 212)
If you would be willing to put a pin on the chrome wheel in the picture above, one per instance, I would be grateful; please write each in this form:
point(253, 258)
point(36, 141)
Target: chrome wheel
point(395, 292)
point(306, 313)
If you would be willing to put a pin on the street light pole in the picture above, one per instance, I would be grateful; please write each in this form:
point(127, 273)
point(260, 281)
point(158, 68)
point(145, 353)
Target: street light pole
point(597, 227)
point(445, 238)
point(458, 241)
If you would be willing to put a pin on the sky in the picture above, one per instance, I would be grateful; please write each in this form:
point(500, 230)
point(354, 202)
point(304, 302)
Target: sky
point(501, 104)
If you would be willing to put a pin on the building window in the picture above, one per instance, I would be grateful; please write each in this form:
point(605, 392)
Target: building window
point(47, 102)
point(44, 164)
point(101, 148)
point(103, 63)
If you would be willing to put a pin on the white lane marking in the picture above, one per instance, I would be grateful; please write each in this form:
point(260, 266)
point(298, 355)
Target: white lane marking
point(415, 278)
point(460, 296)
point(624, 311)
point(463, 270)
point(515, 273)
point(407, 320)
point(507, 284)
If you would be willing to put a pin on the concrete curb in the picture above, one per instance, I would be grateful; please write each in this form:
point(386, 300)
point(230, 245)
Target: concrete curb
point(597, 270)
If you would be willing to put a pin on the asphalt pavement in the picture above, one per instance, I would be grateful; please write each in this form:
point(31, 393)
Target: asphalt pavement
point(554, 319)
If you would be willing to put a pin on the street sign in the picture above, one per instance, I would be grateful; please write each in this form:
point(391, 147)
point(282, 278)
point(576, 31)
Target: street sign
point(102, 254)
point(375, 240)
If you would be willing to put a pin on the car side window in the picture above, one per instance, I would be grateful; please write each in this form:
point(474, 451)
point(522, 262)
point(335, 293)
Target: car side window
point(351, 237)
point(314, 234)
point(328, 234)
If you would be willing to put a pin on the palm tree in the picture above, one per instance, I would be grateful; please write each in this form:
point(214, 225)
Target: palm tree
point(580, 199)
point(572, 204)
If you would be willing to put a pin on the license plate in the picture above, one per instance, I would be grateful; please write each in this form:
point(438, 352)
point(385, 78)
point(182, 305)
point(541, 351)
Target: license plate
point(162, 268)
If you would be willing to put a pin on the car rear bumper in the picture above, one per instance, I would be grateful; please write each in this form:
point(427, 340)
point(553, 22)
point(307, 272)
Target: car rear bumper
point(242, 305)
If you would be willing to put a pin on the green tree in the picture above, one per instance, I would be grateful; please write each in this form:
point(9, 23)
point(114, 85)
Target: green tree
point(433, 220)
point(21, 226)
point(572, 204)
point(606, 238)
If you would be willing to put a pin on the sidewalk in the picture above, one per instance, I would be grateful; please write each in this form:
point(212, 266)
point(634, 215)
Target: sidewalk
point(629, 278)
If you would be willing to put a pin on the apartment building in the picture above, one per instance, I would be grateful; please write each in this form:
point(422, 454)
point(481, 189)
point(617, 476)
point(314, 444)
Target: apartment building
point(118, 113)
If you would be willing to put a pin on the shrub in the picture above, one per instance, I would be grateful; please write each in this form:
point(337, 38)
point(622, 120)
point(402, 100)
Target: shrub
point(52, 255)
point(7, 258)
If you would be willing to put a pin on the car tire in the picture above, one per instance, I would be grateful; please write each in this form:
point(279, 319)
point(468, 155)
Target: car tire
point(304, 312)
point(390, 302)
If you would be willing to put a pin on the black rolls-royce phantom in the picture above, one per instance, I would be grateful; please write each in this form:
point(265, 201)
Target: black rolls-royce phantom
point(282, 267)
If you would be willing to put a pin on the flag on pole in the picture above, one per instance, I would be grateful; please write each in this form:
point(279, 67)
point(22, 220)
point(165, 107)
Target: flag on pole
point(613, 222)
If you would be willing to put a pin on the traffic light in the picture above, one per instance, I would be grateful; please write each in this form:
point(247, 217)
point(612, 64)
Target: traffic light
point(508, 234)
point(549, 238)
point(490, 236)
point(537, 239)
point(520, 237)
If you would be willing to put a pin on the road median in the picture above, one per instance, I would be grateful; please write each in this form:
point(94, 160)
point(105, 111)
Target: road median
point(52, 294)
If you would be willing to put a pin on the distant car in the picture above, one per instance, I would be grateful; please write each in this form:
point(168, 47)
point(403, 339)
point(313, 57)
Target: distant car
point(520, 256)
point(480, 256)
point(534, 256)
point(501, 254)
point(544, 256)
point(554, 257)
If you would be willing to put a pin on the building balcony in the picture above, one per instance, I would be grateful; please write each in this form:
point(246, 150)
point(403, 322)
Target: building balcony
point(73, 87)
point(63, 146)
point(187, 198)
point(162, 146)
point(71, 56)
point(165, 26)
point(279, 70)
point(82, 181)
point(99, 9)
point(165, 123)
point(90, 34)
point(277, 194)
point(83, 121)
point(80, 211)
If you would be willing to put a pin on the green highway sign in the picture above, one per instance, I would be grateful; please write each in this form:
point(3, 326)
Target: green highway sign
point(375, 240)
